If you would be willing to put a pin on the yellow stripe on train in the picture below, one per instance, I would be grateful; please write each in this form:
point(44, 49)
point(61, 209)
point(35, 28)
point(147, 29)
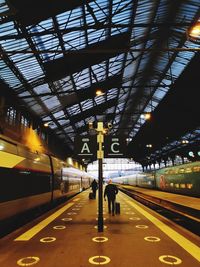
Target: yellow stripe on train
point(8, 160)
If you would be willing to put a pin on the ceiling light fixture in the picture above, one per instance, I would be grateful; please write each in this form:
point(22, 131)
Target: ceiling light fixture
point(99, 92)
point(46, 124)
point(193, 33)
point(146, 116)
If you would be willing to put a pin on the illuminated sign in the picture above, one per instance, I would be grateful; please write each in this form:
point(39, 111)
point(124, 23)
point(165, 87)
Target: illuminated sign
point(85, 146)
point(115, 147)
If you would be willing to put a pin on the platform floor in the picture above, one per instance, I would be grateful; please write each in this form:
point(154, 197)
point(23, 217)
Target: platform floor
point(67, 237)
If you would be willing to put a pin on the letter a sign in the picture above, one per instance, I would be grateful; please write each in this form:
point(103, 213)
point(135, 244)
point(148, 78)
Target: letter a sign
point(85, 146)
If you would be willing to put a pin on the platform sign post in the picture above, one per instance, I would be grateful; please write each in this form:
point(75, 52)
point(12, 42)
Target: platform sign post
point(100, 139)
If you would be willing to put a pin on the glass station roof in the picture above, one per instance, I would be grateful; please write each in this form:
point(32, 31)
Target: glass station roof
point(55, 54)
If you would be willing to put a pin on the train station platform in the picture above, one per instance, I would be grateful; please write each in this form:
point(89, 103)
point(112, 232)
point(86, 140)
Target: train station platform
point(188, 201)
point(188, 205)
point(68, 237)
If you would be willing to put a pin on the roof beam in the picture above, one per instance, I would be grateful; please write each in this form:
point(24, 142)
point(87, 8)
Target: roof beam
point(95, 27)
point(33, 11)
point(97, 110)
point(76, 61)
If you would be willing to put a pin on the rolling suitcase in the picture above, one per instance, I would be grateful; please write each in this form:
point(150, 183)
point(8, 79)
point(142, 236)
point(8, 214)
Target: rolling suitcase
point(91, 196)
point(117, 207)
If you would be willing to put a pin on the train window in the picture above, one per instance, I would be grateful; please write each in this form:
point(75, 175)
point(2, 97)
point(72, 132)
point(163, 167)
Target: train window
point(11, 115)
point(189, 186)
point(24, 121)
point(181, 170)
point(171, 184)
point(175, 171)
point(188, 170)
point(177, 185)
point(196, 168)
point(182, 186)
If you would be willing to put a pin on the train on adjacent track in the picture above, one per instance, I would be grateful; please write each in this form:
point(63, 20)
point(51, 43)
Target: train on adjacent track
point(180, 179)
point(30, 180)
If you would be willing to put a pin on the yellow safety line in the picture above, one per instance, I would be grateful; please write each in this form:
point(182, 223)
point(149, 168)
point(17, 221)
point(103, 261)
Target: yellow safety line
point(37, 228)
point(186, 244)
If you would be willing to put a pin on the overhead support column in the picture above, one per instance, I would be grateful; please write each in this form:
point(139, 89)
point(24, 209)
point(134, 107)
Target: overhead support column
point(100, 155)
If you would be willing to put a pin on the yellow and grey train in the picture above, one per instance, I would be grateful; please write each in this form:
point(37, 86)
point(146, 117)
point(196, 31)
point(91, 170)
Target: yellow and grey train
point(29, 180)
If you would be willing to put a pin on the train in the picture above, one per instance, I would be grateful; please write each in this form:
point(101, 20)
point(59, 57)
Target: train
point(180, 179)
point(30, 179)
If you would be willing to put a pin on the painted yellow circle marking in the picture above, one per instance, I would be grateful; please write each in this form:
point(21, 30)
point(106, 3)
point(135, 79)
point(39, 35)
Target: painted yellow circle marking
point(152, 238)
point(134, 219)
point(47, 239)
point(130, 212)
point(67, 219)
point(96, 226)
point(100, 239)
point(71, 213)
point(76, 209)
point(28, 261)
point(59, 227)
point(171, 260)
point(97, 260)
point(142, 226)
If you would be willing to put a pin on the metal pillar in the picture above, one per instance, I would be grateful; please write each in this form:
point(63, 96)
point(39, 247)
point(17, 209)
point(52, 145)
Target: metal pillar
point(100, 160)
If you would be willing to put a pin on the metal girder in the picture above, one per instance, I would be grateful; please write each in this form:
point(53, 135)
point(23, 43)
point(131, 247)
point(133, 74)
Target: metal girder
point(76, 61)
point(33, 11)
point(97, 110)
point(97, 26)
point(102, 51)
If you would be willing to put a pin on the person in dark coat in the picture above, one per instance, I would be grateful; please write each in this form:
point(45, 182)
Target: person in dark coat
point(94, 186)
point(110, 191)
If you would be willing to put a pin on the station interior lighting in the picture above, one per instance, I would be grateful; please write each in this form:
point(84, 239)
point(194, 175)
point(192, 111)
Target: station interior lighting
point(146, 116)
point(1, 147)
point(149, 145)
point(184, 141)
point(70, 161)
point(90, 125)
point(198, 153)
point(99, 92)
point(194, 32)
point(46, 124)
point(191, 154)
point(105, 131)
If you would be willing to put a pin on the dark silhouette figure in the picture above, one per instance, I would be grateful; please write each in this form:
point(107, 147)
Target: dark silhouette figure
point(110, 191)
point(94, 186)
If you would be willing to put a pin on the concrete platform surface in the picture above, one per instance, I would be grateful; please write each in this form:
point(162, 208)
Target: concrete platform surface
point(67, 237)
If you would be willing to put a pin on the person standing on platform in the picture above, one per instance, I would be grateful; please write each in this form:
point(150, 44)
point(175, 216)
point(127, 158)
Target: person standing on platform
point(94, 186)
point(110, 191)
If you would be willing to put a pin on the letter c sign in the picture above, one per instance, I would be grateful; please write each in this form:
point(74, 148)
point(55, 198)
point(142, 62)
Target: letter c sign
point(113, 147)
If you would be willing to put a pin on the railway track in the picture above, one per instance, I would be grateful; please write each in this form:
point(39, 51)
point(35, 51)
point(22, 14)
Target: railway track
point(184, 216)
